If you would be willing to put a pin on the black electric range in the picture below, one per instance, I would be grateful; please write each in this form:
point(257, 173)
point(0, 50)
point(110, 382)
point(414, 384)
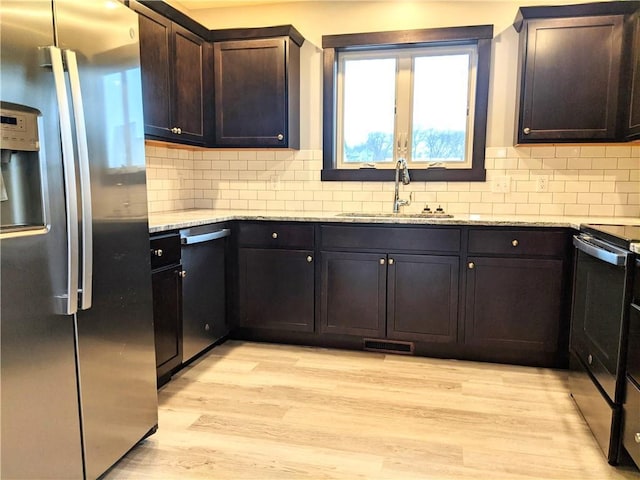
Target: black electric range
point(619, 235)
point(603, 282)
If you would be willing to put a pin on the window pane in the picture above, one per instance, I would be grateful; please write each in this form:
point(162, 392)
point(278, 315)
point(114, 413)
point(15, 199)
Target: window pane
point(368, 110)
point(440, 91)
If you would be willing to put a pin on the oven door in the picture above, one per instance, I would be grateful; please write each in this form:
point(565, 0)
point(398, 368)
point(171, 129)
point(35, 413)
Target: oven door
point(600, 301)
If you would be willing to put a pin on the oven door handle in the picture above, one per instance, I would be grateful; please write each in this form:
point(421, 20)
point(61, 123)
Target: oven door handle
point(606, 253)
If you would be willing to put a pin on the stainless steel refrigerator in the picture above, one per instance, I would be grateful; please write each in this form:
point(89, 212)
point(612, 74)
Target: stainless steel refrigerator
point(78, 385)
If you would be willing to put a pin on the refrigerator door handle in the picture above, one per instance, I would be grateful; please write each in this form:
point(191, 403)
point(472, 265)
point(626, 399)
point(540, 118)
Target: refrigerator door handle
point(70, 298)
point(85, 181)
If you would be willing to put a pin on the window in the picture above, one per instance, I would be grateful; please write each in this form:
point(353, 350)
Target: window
point(420, 95)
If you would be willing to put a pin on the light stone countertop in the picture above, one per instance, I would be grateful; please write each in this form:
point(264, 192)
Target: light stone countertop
point(161, 222)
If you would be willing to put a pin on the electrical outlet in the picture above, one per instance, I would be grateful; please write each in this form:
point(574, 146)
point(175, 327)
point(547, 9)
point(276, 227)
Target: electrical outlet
point(542, 183)
point(501, 184)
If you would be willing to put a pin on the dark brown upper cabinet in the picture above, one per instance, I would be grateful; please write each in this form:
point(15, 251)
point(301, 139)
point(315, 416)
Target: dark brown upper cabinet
point(575, 73)
point(633, 125)
point(257, 90)
point(176, 66)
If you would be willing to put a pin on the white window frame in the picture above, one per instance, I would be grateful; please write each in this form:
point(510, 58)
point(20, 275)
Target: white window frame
point(403, 119)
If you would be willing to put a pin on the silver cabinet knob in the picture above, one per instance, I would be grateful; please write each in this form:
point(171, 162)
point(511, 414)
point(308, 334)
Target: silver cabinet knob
point(206, 327)
point(274, 235)
point(391, 261)
point(280, 137)
point(179, 131)
point(590, 359)
point(636, 437)
point(471, 265)
point(526, 131)
point(182, 273)
point(382, 262)
point(158, 252)
point(515, 243)
point(309, 259)
point(174, 130)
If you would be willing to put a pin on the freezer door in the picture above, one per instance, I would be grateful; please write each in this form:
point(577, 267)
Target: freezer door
point(116, 352)
point(40, 420)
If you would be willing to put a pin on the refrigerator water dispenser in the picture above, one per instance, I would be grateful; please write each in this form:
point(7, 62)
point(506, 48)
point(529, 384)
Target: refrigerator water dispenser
point(22, 175)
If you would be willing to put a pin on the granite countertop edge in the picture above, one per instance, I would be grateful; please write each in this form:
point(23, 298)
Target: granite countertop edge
point(167, 221)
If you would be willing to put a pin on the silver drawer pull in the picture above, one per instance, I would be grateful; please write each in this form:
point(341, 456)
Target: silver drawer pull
point(515, 243)
point(158, 252)
point(391, 261)
point(471, 265)
point(590, 359)
point(382, 262)
point(182, 274)
point(274, 235)
point(636, 437)
point(309, 259)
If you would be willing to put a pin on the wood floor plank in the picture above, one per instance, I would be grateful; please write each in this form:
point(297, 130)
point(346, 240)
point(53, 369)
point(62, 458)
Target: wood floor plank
point(263, 411)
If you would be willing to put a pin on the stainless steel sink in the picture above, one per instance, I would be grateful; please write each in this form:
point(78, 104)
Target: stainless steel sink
point(396, 215)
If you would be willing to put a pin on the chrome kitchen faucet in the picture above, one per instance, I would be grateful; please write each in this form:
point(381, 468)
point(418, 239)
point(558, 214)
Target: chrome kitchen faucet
point(401, 164)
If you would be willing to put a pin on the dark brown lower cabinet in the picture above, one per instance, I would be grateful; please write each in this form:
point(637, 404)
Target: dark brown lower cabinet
point(353, 293)
point(167, 320)
point(276, 289)
point(401, 297)
point(422, 298)
point(514, 303)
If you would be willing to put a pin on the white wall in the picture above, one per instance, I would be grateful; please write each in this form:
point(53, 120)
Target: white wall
point(596, 180)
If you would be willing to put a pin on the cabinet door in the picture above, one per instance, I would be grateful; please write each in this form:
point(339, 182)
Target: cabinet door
point(276, 289)
point(189, 65)
point(353, 293)
point(155, 64)
point(571, 77)
point(633, 122)
point(422, 298)
point(513, 303)
point(167, 319)
point(251, 92)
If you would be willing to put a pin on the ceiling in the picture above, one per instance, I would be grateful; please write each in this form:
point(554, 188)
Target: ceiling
point(206, 4)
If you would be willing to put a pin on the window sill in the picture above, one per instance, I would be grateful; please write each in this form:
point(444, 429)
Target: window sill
point(433, 174)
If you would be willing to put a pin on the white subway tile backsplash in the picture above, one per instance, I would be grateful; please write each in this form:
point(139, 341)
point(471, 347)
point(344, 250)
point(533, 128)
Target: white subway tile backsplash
point(589, 198)
point(618, 151)
point(576, 210)
point(554, 164)
point(543, 152)
point(567, 151)
point(627, 211)
point(629, 163)
point(601, 210)
point(592, 151)
point(552, 209)
point(582, 180)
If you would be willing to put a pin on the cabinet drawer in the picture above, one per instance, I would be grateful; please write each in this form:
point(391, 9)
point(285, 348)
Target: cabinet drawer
point(518, 242)
point(276, 235)
point(631, 419)
point(165, 250)
point(391, 238)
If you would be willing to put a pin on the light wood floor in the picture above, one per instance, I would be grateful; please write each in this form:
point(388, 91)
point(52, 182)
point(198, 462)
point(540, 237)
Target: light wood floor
point(263, 411)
